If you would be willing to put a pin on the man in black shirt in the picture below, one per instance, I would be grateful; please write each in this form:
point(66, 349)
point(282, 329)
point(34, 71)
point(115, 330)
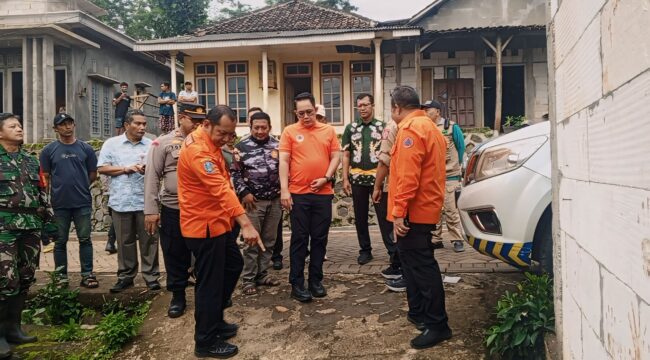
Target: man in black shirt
point(122, 102)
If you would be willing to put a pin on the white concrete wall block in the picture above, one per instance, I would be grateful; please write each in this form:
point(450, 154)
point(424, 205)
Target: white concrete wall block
point(589, 289)
point(592, 346)
point(572, 147)
point(540, 70)
point(570, 23)
point(621, 326)
point(644, 309)
point(579, 78)
point(465, 54)
point(438, 73)
point(572, 332)
point(467, 72)
point(625, 41)
point(389, 60)
point(408, 61)
point(615, 156)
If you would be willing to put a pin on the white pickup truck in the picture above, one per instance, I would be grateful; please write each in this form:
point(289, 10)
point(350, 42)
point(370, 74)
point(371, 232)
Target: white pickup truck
point(505, 202)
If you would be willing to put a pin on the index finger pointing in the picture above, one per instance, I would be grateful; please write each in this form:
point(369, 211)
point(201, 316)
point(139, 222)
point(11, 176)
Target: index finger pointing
point(260, 244)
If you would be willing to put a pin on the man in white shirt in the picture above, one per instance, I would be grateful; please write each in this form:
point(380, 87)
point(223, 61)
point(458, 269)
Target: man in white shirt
point(188, 95)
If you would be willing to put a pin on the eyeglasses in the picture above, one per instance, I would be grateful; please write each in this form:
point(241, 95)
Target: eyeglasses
point(302, 114)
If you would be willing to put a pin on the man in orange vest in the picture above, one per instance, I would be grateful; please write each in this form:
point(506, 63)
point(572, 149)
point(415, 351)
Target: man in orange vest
point(415, 196)
point(208, 205)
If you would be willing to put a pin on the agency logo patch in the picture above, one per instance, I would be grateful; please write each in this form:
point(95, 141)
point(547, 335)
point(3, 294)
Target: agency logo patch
point(300, 138)
point(408, 142)
point(209, 167)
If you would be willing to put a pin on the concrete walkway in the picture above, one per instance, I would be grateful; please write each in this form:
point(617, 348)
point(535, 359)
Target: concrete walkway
point(342, 252)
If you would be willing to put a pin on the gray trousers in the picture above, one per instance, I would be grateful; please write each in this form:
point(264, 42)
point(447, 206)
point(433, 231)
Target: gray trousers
point(129, 231)
point(265, 220)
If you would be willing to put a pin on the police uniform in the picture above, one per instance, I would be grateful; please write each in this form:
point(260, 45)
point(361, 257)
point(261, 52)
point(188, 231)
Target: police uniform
point(387, 140)
point(162, 162)
point(208, 204)
point(455, 146)
point(416, 193)
point(24, 212)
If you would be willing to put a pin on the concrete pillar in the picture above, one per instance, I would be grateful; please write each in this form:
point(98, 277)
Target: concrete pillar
point(174, 85)
point(37, 89)
point(530, 88)
point(265, 80)
point(48, 89)
point(379, 86)
point(27, 89)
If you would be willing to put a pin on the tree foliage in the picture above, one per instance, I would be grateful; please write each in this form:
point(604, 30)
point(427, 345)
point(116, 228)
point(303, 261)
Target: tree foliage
point(149, 19)
point(232, 8)
point(335, 4)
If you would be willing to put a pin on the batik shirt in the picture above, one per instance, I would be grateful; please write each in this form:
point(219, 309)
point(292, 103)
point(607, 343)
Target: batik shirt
point(255, 169)
point(362, 141)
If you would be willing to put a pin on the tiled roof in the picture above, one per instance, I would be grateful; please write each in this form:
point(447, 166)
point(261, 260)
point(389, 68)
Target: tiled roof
point(295, 15)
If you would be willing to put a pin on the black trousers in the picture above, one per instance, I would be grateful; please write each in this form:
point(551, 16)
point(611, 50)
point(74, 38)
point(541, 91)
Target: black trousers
point(178, 258)
point(218, 266)
point(424, 290)
point(311, 217)
point(386, 229)
point(361, 196)
point(279, 245)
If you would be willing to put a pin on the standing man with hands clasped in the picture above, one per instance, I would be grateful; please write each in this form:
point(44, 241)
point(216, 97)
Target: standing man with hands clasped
point(162, 161)
point(309, 156)
point(208, 209)
point(415, 196)
point(122, 102)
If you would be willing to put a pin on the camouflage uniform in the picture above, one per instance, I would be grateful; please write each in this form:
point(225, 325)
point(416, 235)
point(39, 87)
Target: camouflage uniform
point(24, 212)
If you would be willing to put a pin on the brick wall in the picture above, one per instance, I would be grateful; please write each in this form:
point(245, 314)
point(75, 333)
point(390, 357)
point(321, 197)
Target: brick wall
point(599, 62)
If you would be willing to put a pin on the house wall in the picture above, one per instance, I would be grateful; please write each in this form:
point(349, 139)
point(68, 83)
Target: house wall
point(486, 13)
point(18, 7)
point(600, 69)
point(471, 64)
point(315, 56)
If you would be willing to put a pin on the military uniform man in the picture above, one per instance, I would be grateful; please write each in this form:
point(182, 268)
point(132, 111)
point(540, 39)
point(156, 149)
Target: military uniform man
point(161, 207)
point(24, 211)
point(455, 142)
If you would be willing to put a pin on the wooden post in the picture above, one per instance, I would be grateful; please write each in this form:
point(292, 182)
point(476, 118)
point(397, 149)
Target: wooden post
point(418, 70)
point(379, 85)
point(498, 50)
point(265, 80)
point(174, 85)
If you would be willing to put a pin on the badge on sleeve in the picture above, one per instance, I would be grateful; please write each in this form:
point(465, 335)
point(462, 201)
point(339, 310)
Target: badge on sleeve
point(209, 167)
point(300, 138)
point(408, 142)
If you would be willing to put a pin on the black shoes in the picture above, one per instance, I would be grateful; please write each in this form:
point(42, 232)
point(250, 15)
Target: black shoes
point(430, 338)
point(391, 273)
point(364, 258)
point(219, 350)
point(438, 245)
point(316, 289)
point(228, 303)
point(226, 330)
point(110, 248)
point(153, 285)
point(177, 306)
point(299, 293)
point(13, 333)
point(277, 265)
point(122, 285)
point(418, 325)
point(396, 285)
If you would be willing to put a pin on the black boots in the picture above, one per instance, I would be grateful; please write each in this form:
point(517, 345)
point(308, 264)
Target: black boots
point(12, 330)
point(5, 349)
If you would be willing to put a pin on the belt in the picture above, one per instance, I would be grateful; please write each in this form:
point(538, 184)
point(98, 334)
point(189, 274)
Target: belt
point(453, 177)
point(22, 210)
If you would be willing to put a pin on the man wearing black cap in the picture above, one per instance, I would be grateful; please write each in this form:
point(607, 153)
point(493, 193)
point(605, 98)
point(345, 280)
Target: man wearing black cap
point(69, 167)
point(162, 161)
point(455, 142)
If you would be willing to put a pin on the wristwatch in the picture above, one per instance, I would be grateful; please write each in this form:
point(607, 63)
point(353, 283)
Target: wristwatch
point(329, 178)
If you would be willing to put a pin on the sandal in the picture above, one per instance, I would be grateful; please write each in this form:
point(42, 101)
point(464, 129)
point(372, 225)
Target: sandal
point(268, 281)
point(249, 289)
point(89, 282)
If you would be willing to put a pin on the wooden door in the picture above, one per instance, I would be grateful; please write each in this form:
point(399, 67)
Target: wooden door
point(457, 99)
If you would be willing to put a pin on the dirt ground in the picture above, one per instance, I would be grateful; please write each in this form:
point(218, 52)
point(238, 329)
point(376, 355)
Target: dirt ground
point(358, 319)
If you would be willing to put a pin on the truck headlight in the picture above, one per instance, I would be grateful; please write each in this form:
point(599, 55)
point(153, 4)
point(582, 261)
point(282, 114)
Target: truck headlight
point(499, 159)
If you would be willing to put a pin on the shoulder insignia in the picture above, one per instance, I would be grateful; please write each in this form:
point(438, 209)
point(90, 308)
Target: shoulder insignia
point(408, 142)
point(155, 143)
point(209, 167)
point(189, 140)
point(385, 133)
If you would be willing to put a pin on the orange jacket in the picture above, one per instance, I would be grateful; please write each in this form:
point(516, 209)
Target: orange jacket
point(417, 171)
point(206, 198)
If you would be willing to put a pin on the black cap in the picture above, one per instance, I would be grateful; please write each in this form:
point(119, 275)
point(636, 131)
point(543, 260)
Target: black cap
point(193, 110)
point(431, 104)
point(60, 118)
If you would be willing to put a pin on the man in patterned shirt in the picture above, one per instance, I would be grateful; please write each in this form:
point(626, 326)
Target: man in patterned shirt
point(257, 183)
point(361, 141)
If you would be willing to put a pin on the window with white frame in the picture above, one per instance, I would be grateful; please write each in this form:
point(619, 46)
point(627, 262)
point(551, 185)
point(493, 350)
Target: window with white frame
point(361, 73)
point(332, 91)
point(237, 88)
point(95, 128)
point(106, 110)
point(206, 84)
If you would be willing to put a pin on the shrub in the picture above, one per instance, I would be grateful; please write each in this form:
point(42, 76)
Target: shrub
point(523, 318)
point(68, 332)
point(54, 303)
point(514, 120)
point(118, 328)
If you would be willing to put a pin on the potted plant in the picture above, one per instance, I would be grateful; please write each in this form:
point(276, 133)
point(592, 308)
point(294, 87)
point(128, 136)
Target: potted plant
point(513, 123)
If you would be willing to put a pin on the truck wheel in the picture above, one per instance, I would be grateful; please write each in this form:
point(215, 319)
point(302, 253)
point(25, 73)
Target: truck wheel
point(543, 243)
